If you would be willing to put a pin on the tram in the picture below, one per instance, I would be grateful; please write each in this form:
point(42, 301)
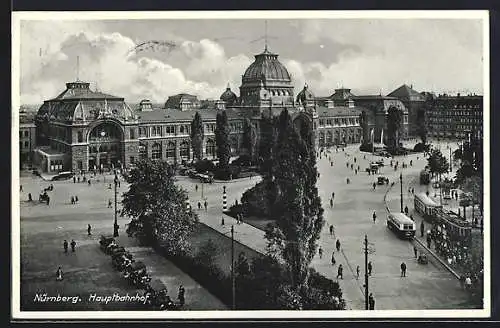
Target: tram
point(425, 206)
point(454, 225)
point(401, 225)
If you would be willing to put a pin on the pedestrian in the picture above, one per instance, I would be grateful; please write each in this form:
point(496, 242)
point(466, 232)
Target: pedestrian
point(348, 180)
point(415, 251)
point(429, 240)
point(340, 272)
point(320, 251)
point(422, 228)
point(199, 205)
point(89, 182)
point(413, 191)
point(78, 179)
point(358, 270)
point(374, 186)
point(354, 159)
point(355, 171)
point(74, 179)
point(333, 195)
point(89, 230)
point(196, 188)
point(371, 302)
point(403, 269)
point(370, 268)
point(59, 274)
point(65, 245)
point(21, 188)
point(333, 258)
point(72, 200)
point(406, 210)
point(30, 198)
point(331, 229)
point(73, 245)
point(427, 193)
point(337, 245)
point(468, 282)
point(109, 203)
point(48, 200)
point(222, 221)
point(180, 296)
point(76, 199)
point(206, 205)
point(374, 216)
point(331, 202)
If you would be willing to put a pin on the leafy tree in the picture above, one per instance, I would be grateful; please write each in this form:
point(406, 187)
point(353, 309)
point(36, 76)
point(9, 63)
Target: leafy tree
point(207, 254)
point(197, 135)
point(267, 140)
point(474, 186)
point(363, 122)
point(394, 125)
point(222, 140)
point(300, 215)
point(242, 267)
point(250, 138)
point(158, 207)
point(437, 162)
point(422, 125)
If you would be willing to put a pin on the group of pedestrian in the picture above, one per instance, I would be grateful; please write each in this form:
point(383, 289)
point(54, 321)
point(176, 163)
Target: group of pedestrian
point(73, 245)
point(74, 200)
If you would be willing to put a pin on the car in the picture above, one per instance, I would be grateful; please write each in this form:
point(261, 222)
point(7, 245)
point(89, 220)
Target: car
point(205, 178)
point(381, 180)
point(62, 176)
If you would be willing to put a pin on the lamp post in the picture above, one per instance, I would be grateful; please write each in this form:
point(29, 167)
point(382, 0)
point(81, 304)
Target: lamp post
point(366, 273)
point(401, 190)
point(233, 280)
point(115, 226)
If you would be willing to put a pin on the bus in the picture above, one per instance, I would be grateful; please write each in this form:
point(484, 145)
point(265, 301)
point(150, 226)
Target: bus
point(401, 225)
point(425, 206)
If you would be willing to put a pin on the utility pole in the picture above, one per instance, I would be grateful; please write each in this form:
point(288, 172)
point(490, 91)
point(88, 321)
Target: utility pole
point(232, 268)
point(115, 225)
point(401, 192)
point(366, 273)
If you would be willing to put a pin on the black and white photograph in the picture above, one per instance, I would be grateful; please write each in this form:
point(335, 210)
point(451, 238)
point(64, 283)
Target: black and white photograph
point(250, 164)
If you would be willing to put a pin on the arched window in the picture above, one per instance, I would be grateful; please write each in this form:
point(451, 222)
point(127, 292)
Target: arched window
point(170, 151)
point(156, 151)
point(210, 149)
point(234, 145)
point(184, 150)
point(80, 136)
point(181, 129)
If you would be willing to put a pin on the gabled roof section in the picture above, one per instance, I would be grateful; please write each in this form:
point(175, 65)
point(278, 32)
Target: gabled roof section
point(81, 90)
point(405, 92)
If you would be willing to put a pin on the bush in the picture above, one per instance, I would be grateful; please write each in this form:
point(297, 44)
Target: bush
point(204, 165)
point(259, 200)
point(243, 160)
point(420, 147)
point(232, 172)
point(366, 147)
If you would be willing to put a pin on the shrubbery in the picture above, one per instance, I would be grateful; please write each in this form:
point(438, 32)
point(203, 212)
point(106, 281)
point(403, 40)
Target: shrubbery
point(231, 172)
point(259, 200)
point(366, 147)
point(420, 147)
point(243, 160)
point(204, 165)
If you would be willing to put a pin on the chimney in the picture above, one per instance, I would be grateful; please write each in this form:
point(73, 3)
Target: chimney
point(329, 103)
point(145, 105)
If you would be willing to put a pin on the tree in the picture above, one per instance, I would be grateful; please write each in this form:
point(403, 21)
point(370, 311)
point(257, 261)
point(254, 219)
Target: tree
point(422, 124)
point(267, 140)
point(474, 186)
point(300, 215)
point(363, 122)
point(222, 140)
point(197, 136)
point(438, 164)
point(249, 138)
point(158, 207)
point(394, 125)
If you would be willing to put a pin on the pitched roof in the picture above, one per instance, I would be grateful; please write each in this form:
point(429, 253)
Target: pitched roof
point(407, 93)
point(339, 111)
point(81, 90)
point(169, 115)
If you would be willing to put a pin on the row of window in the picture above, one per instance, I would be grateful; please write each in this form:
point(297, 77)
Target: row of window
point(339, 121)
point(26, 134)
point(26, 144)
point(458, 106)
point(456, 112)
point(449, 120)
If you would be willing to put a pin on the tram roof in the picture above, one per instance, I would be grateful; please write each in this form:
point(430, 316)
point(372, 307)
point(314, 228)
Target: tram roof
point(401, 218)
point(426, 199)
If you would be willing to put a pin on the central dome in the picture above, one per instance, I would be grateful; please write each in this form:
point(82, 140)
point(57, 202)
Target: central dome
point(266, 67)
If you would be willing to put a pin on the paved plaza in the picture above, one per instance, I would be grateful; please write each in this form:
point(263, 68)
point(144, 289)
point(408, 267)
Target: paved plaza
point(425, 287)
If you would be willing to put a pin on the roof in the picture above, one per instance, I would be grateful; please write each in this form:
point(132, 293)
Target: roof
point(407, 93)
point(374, 97)
point(339, 111)
point(402, 218)
point(175, 101)
point(342, 94)
point(171, 115)
point(426, 199)
point(81, 90)
point(266, 67)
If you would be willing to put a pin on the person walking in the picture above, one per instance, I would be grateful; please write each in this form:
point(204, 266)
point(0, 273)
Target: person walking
point(74, 179)
point(320, 251)
point(358, 270)
point(59, 274)
point(206, 205)
point(72, 200)
point(337, 245)
point(340, 272)
point(89, 230)
point(374, 186)
point(331, 202)
point(196, 188)
point(331, 229)
point(199, 205)
point(422, 228)
point(415, 251)
point(76, 199)
point(403, 269)
point(48, 200)
point(370, 268)
point(180, 295)
point(406, 210)
point(21, 188)
point(371, 302)
point(65, 245)
point(222, 221)
point(109, 203)
point(374, 216)
point(30, 198)
point(333, 258)
point(73, 245)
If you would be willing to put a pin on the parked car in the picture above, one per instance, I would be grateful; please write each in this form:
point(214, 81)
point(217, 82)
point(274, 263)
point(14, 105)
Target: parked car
point(62, 176)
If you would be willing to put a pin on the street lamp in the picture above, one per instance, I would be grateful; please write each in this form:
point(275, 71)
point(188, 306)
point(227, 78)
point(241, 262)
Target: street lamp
point(401, 192)
point(115, 226)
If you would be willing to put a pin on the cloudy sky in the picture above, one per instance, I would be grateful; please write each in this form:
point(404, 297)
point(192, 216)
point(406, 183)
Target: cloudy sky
point(202, 56)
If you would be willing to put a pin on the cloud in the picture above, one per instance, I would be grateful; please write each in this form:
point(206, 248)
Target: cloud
point(105, 61)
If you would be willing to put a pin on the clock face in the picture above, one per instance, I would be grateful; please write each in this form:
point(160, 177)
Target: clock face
point(264, 94)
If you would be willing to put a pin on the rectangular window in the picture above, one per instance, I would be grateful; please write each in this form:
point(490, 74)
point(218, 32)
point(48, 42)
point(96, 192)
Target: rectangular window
point(132, 133)
point(26, 144)
point(80, 165)
point(26, 133)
